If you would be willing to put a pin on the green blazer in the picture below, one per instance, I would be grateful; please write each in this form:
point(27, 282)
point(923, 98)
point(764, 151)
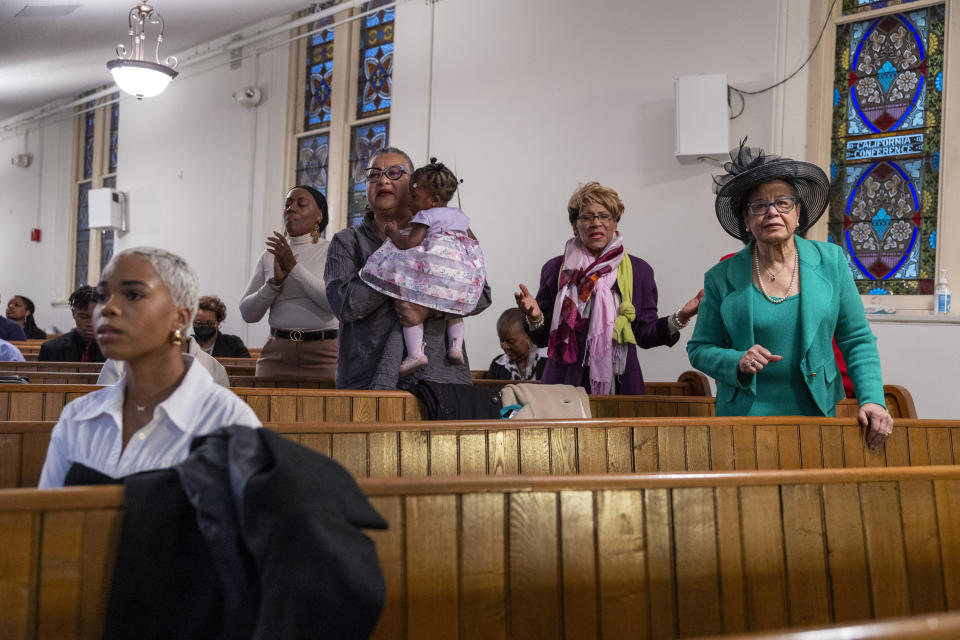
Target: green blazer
point(829, 306)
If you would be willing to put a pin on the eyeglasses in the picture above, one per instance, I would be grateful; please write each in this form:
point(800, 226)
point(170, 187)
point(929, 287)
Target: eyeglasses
point(394, 172)
point(782, 205)
point(587, 218)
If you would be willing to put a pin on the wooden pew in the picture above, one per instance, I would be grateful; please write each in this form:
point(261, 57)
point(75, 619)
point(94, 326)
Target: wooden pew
point(690, 383)
point(240, 370)
point(44, 402)
point(53, 377)
point(638, 556)
point(941, 626)
point(664, 556)
point(620, 445)
point(56, 561)
point(61, 367)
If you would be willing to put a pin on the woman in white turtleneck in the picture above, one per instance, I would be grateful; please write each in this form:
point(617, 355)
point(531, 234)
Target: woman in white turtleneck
point(288, 281)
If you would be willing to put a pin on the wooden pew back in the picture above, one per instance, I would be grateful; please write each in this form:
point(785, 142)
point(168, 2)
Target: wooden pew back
point(639, 556)
point(63, 367)
point(56, 561)
point(53, 377)
point(942, 626)
point(620, 445)
point(44, 402)
point(665, 556)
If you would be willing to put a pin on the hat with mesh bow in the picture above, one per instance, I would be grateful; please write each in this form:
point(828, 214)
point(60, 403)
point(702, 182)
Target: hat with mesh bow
point(749, 168)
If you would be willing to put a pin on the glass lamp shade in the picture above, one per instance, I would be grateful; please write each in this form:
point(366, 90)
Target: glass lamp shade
point(140, 78)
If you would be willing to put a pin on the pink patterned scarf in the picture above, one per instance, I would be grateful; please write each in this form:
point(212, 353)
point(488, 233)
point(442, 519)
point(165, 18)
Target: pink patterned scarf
point(581, 277)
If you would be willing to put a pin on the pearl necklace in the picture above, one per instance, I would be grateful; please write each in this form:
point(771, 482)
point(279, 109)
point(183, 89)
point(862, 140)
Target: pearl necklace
point(793, 278)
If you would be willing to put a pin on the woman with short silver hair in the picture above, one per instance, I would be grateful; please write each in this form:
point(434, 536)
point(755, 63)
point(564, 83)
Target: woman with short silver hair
point(144, 303)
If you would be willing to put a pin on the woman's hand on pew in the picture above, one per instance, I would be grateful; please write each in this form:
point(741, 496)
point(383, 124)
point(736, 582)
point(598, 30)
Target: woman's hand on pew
point(877, 421)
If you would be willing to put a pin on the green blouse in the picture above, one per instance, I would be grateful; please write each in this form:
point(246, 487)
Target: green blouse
point(780, 386)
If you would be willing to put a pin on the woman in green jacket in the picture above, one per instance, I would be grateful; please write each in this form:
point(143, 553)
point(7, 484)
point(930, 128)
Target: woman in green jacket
point(770, 312)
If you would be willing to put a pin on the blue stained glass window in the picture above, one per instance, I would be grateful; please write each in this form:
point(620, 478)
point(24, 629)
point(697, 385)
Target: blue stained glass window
point(365, 140)
point(375, 85)
point(88, 122)
point(114, 134)
point(886, 148)
point(319, 77)
point(313, 154)
point(81, 258)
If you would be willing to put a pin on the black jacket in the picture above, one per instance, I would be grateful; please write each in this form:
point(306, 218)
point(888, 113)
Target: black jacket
point(69, 348)
point(446, 401)
point(228, 346)
point(253, 536)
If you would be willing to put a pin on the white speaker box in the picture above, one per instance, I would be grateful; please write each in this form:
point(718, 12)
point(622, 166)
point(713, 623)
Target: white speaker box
point(703, 123)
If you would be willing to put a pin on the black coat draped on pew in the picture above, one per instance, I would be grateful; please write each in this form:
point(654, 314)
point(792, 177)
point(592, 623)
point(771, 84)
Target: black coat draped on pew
point(253, 536)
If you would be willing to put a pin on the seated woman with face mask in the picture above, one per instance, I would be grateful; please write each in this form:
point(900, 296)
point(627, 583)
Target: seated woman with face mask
point(206, 331)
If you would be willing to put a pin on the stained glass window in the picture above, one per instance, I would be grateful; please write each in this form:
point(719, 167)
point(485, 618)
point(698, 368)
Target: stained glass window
point(376, 61)
point(114, 133)
point(857, 6)
point(81, 259)
point(313, 153)
point(319, 77)
point(88, 125)
point(885, 151)
point(365, 140)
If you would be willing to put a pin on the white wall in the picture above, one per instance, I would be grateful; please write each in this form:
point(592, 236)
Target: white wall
point(527, 100)
point(922, 358)
point(37, 197)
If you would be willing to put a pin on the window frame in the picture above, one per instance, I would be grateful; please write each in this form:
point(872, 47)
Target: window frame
point(819, 128)
point(99, 173)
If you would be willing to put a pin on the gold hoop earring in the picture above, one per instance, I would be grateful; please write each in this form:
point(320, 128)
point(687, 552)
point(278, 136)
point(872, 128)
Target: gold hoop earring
point(176, 338)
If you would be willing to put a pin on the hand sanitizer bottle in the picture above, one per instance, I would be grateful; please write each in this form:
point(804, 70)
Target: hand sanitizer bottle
point(941, 295)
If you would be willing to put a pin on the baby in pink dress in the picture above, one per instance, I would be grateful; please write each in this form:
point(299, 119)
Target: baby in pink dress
point(436, 263)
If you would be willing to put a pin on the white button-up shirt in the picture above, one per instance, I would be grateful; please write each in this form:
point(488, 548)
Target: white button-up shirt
point(90, 429)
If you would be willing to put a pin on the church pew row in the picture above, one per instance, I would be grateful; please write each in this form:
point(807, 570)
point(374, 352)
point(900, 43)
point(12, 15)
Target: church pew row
point(62, 367)
point(619, 445)
point(689, 383)
point(44, 402)
point(52, 377)
point(58, 377)
point(929, 626)
point(638, 556)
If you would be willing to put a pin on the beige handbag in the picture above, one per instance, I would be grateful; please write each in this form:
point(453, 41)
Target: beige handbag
point(546, 400)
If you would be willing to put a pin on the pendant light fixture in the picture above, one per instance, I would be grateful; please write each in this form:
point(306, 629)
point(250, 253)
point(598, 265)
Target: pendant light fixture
point(133, 74)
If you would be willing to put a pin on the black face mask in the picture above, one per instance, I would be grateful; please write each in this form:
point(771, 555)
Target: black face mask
point(204, 332)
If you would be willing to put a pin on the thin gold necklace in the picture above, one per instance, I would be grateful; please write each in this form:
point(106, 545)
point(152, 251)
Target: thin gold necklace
point(793, 278)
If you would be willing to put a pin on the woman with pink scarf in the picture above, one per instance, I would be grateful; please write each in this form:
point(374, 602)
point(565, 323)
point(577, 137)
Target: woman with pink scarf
point(597, 304)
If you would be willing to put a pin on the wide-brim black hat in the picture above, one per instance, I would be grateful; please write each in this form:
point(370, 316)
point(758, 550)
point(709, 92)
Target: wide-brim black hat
point(749, 168)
